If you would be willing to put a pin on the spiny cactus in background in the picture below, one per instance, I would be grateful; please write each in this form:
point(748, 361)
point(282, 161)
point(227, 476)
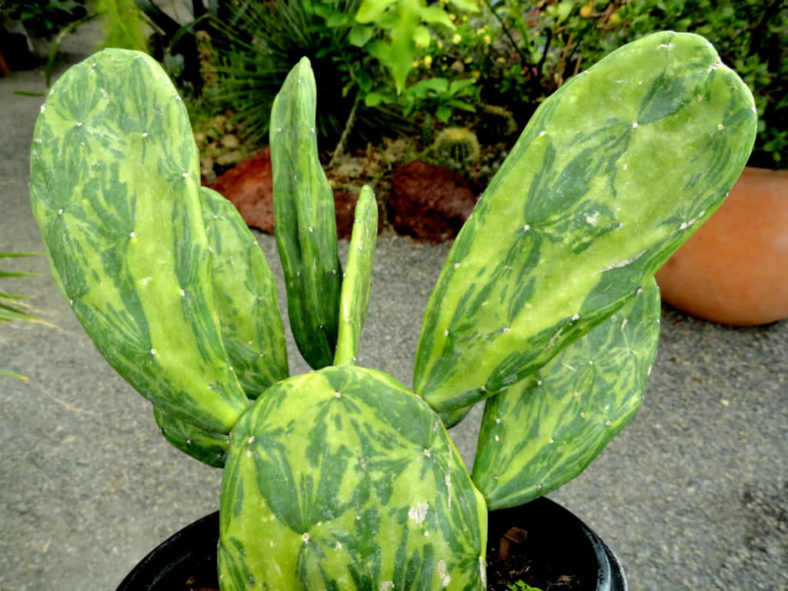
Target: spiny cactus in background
point(207, 55)
point(496, 124)
point(344, 478)
point(427, 131)
point(456, 147)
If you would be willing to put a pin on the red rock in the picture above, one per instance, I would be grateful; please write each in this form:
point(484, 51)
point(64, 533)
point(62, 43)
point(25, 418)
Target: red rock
point(733, 270)
point(249, 185)
point(429, 202)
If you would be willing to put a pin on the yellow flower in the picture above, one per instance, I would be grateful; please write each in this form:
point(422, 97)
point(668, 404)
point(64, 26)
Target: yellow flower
point(475, 74)
point(501, 60)
point(427, 61)
point(440, 44)
point(452, 16)
point(457, 38)
point(585, 10)
point(416, 63)
point(468, 60)
point(487, 39)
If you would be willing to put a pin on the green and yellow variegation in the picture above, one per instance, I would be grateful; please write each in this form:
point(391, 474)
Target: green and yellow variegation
point(343, 479)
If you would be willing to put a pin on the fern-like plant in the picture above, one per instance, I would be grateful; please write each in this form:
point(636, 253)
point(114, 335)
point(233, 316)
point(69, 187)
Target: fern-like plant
point(12, 305)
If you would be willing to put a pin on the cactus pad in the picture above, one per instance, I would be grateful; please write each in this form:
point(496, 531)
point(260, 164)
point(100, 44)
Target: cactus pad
point(545, 430)
point(114, 184)
point(343, 479)
point(613, 172)
point(245, 293)
point(304, 219)
point(356, 282)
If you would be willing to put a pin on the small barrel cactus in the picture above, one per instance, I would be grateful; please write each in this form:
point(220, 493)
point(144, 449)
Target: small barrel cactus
point(344, 478)
point(495, 124)
point(456, 147)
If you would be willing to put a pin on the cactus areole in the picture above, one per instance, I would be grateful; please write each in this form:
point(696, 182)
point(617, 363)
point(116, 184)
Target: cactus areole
point(344, 478)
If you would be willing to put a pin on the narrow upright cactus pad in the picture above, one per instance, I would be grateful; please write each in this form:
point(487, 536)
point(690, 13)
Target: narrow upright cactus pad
point(612, 174)
point(114, 183)
point(545, 430)
point(354, 298)
point(305, 223)
point(342, 479)
point(245, 292)
point(209, 448)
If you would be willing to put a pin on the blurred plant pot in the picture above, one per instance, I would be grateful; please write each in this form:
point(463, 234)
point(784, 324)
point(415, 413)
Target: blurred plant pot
point(734, 269)
point(187, 560)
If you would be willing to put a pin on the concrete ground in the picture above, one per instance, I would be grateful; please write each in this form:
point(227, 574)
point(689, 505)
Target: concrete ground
point(691, 495)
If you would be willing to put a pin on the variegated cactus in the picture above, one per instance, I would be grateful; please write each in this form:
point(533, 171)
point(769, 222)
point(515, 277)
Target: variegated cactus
point(344, 478)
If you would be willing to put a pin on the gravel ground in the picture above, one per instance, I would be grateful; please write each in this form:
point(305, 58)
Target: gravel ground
point(692, 495)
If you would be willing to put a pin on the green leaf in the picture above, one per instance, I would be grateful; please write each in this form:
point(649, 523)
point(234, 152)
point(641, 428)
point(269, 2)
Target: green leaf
point(373, 99)
point(443, 112)
point(465, 5)
point(10, 374)
point(421, 36)
point(563, 10)
point(435, 16)
point(360, 36)
point(371, 10)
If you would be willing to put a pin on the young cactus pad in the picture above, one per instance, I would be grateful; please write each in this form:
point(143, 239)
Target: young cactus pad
point(245, 295)
point(356, 282)
point(344, 479)
point(614, 171)
point(306, 227)
point(545, 429)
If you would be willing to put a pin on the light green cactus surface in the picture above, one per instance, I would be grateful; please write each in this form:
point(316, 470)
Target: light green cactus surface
point(114, 184)
point(209, 448)
point(545, 430)
point(614, 171)
point(354, 298)
point(343, 479)
point(305, 223)
point(245, 294)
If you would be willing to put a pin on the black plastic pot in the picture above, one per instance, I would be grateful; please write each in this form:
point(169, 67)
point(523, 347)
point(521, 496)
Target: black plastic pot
point(187, 560)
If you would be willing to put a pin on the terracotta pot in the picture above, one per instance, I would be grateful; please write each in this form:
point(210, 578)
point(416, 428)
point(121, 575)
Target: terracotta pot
point(734, 269)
